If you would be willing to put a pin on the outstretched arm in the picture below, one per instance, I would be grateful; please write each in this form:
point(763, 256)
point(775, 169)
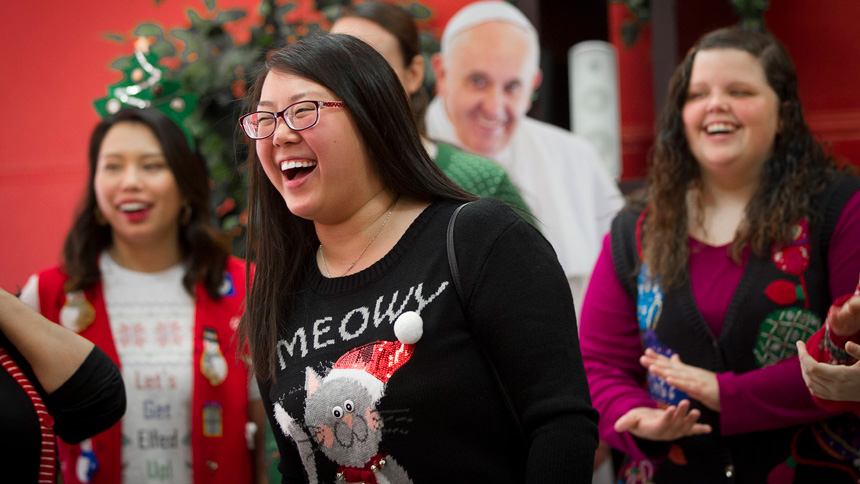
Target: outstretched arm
point(54, 352)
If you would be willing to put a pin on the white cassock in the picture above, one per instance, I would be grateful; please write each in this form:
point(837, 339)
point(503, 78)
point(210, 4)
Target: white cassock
point(560, 176)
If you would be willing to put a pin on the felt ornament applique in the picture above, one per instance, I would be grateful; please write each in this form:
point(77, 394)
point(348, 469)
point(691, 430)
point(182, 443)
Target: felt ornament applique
point(637, 472)
point(213, 420)
point(87, 465)
point(830, 447)
point(227, 289)
point(780, 330)
point(649, 305)
point(793, 258)
point(213, 365)
point(784, 292)
point(77, 313)
point(649, 298)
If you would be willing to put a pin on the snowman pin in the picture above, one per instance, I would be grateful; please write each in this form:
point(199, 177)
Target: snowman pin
point(213, 365)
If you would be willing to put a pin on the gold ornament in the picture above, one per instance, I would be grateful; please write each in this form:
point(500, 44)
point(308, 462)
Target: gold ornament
point(137, 75)
point(77, 313)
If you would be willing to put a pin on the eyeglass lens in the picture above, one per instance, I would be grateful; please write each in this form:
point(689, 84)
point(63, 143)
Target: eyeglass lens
point(299, 116)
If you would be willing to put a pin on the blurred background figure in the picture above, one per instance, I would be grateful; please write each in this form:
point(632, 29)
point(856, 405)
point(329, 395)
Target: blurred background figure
point(486, 73)
point(392, 32)
point(148, 280)
point(730, 255)
point(54, 383)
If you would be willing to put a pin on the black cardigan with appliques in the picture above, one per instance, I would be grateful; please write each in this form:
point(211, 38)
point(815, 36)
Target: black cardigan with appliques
point(749, 457)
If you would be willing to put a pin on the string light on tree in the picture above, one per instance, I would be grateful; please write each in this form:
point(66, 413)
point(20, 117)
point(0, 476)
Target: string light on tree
point(145, 85)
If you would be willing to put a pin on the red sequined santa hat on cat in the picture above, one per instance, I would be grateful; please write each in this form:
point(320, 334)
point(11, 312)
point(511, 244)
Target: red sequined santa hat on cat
point(374, 363)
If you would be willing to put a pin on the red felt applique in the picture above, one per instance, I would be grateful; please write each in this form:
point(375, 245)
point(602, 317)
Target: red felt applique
point(784, 292)
point(794, 257)
point(676, 455)
point(783, 473)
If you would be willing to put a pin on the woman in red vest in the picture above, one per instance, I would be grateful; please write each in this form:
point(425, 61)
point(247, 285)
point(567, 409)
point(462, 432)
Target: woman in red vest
point(148, 280)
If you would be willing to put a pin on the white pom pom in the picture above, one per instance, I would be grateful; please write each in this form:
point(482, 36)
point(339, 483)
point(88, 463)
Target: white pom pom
point(409, 327)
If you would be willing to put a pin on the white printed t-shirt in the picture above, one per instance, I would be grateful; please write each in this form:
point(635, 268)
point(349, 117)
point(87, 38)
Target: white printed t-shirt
point(152, 321)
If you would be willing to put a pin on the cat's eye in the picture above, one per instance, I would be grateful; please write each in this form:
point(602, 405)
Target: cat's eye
point(337, 412)
point(348, 405)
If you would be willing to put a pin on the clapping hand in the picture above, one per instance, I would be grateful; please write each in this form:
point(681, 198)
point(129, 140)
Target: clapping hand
point(831, 382)
point(696, 382)
point(845, 321)
point(667, 424)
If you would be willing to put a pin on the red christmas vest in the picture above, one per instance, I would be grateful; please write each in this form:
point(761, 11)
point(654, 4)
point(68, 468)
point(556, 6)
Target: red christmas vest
point(215, 458)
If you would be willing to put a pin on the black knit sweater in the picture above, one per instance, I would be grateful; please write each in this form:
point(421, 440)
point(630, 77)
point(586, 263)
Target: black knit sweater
point(441, 416)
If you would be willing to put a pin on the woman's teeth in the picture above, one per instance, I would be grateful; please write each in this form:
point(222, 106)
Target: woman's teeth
point(289, 165)
point(132, 207)
point(719, 128)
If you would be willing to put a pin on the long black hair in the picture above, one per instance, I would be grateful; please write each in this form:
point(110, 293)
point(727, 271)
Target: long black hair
point(205, 249)
point(284, 251)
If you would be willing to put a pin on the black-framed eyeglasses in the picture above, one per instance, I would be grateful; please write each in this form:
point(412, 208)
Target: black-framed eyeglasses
point(298, 116)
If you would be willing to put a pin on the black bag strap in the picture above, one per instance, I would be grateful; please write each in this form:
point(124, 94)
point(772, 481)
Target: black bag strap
point(452, 257)
point(455, 274)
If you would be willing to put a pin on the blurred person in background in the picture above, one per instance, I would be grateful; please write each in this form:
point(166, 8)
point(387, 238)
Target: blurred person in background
point(730, 254)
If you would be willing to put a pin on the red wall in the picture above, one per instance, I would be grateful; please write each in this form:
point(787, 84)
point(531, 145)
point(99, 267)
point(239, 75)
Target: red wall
point(635, 91)
point(55, 61)
point(822, 40)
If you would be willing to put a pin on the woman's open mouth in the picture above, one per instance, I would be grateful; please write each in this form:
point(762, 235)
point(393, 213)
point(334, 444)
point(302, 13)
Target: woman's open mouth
point(293, 169)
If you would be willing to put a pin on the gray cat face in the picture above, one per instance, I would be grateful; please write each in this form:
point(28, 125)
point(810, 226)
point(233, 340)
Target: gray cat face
point(342, 418)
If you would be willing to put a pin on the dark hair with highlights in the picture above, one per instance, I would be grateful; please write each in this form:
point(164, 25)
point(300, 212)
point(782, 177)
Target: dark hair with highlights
point(283, 245)
point(397, 22)
point(205, 249)
point(797, 171)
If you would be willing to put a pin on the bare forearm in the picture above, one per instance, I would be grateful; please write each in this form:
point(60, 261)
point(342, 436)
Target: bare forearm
point(54, 352)
point(258, 415)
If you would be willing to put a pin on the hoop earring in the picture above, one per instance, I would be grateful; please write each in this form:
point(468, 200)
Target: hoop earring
point(99, 216)
point(185, 215)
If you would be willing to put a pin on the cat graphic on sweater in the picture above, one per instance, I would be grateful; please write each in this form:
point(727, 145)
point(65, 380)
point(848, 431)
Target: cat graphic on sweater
point(341, 409)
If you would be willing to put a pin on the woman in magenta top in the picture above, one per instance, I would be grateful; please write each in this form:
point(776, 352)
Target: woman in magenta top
point(732, 253)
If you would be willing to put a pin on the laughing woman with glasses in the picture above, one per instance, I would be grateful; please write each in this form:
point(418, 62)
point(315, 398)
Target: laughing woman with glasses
point(375, 363)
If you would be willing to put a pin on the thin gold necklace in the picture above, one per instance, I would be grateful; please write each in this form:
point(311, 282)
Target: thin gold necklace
point(322, 254)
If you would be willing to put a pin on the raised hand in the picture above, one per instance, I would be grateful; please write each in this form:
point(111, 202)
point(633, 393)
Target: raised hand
point(667, 424)
point(845, 321)
point(696, 382)
point(831, 382)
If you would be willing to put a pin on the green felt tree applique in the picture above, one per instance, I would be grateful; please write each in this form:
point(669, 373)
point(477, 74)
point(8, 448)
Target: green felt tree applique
point(146, 84)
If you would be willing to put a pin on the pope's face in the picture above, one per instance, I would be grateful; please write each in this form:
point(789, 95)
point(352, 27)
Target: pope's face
point(486, 80)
